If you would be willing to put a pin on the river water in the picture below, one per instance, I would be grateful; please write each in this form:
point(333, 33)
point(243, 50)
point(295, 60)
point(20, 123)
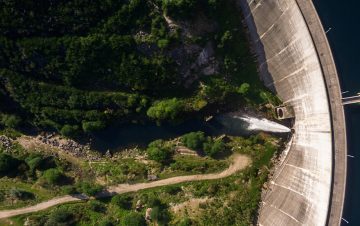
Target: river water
point(118, 137)
point(343, 18)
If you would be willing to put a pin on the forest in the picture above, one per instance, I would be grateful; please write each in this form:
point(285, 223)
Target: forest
point(77, 66)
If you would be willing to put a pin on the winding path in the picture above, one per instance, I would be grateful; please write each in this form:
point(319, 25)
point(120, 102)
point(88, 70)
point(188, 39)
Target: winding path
point(239, 163)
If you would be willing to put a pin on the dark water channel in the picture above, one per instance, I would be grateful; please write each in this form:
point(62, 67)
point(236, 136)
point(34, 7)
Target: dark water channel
point(235, 124)
point(130, 135)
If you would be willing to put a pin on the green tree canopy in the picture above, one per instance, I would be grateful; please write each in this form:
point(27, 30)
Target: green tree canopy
point(244, 88)
point(69, 131)
point(214, 147)
point(11, 121)
point(53, 176)
point(88, 188)
point(194, 140)
point(122, 201)
point(8, 164)
point(169, 109)
point(92, 126)
point(60, 216)
point(158, 151)
point(133, 219)
point(179, 8)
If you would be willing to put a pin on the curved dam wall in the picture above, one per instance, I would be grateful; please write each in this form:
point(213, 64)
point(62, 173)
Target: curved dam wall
point(293, 63)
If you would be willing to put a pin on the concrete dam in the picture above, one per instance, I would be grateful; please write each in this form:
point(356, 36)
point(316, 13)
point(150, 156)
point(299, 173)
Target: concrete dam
point(296, 62)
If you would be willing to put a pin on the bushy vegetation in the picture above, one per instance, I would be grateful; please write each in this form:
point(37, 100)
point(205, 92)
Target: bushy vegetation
point(159, 151)
point(8, 164)
point(122, 201)
point(194, 140)
point(27, 177)
point(241, 193)
point(10, 121)
point(53, 176)
point(133, 219)
point(89, 189)
point(166, 109)
point(203, 144)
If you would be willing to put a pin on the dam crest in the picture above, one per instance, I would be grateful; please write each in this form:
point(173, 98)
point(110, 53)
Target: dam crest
point(296, 62)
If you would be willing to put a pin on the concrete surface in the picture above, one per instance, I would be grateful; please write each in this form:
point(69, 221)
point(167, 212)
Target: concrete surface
point(337, 111)
point(296, 62)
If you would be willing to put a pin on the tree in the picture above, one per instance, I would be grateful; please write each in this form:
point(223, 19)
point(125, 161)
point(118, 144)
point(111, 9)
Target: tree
point(34, 162)
point(60, 216)
point(8, 164)
point(69, 131)
point(194, 140)
point(53, 176)
point(169, 109)
point(11, 121)
point(133, 219)
point(106, 222)
point(159, 152)
point(88, 188)
point(97, 206)
point(213, 148)
point(163, 43)
point(244, 88)
point(92, 126)
point(122, 201)
point(185, 222)
point(20, 194)
point(179, 8)
point(160, 215)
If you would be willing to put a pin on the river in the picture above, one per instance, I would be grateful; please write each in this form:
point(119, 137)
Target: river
point(343, 18)
point(118, 137)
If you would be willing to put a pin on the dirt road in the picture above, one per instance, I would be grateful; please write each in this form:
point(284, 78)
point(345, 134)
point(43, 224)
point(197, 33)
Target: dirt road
point(42, 206)
point(239, 162)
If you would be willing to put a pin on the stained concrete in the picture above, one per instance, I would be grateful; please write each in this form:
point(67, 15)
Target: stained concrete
point(296, 62)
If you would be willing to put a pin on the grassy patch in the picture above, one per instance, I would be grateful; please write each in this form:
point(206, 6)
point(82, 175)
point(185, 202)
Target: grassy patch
point(8, 201)
point(232, 200)
point(119, 171)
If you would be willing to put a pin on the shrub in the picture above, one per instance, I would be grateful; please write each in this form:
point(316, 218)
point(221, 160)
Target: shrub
point(213, 148)
point(185, 222)
point(8, 163)
point(244, 88)
point(97, 206)
point(157, 151)
point(194, 140)
point(172, 190)
point(88, 188)
point(34, 162)
point(163, 43)
point(122, 201)
point(20, 194)
point(153, 201)
point(166, 109)
point(60, 216)
point(92, 126)
point(160, 215)
point(69, 131)
point(52, 176)
point(179, 8)
point(133, 219)
point(106, 222)
point(11, 121)
point(69, 189)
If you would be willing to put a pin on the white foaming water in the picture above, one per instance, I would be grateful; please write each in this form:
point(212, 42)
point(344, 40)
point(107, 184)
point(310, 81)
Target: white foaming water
point(263, 124)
